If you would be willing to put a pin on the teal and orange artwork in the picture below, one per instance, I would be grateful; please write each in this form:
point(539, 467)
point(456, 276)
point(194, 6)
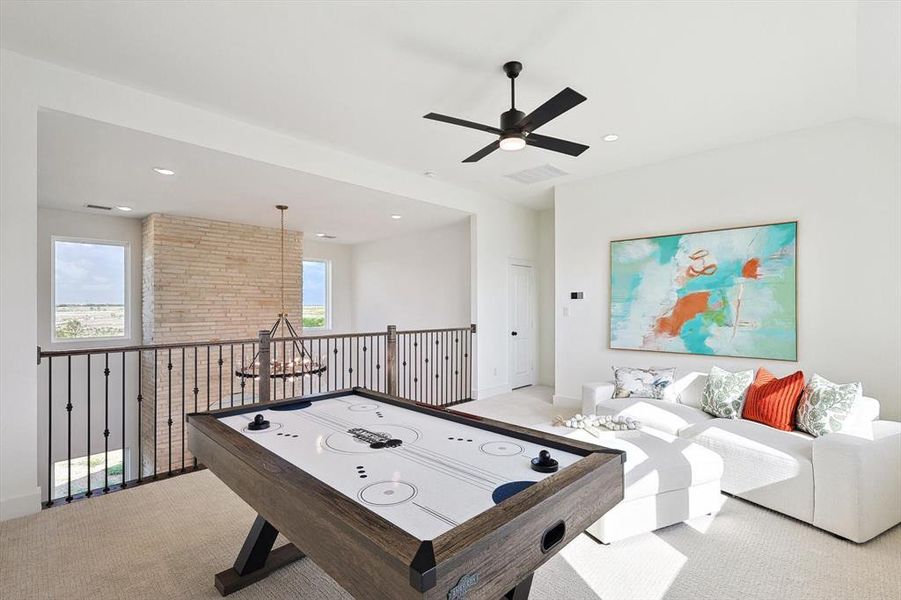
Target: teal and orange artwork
point(729, 292)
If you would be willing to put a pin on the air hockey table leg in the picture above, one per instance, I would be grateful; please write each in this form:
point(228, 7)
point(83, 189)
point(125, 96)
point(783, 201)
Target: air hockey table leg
point(521, 591)
point(256, 560)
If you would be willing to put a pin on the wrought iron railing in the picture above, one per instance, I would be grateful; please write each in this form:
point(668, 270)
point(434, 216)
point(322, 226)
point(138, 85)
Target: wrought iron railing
point(130, 402)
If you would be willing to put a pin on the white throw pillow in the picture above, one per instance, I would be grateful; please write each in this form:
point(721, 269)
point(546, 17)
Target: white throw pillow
point(724, 394)
point(825, 406)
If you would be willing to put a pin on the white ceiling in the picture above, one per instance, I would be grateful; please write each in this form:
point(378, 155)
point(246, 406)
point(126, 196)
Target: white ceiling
point(82, 161)
point(669, 78)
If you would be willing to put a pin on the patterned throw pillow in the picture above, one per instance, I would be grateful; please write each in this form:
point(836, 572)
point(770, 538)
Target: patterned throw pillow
point(641, 383)
point(825, 405)
point(724, 394)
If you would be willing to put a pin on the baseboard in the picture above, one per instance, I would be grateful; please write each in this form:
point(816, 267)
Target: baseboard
point(19, 506)
point(492, 391)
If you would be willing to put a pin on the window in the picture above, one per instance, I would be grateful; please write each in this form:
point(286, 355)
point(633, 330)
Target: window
point(316, 292)
point(89, 284)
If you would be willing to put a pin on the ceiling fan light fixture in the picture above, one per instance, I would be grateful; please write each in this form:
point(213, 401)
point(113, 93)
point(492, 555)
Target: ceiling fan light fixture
point(513, 142)
point(517, 129)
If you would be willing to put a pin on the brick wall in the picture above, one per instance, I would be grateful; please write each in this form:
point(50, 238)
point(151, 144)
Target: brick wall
point(205, 281)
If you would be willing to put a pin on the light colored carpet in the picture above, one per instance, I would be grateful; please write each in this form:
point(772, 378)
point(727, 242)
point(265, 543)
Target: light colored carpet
point(167, 539)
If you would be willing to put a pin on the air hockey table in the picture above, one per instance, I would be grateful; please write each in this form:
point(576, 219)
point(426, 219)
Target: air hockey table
point(395, 499)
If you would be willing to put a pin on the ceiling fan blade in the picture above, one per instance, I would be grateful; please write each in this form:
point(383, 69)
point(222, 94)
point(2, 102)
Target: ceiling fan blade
point(557, 145)
point(551, 109)
point(484, 151)
point(462, 123)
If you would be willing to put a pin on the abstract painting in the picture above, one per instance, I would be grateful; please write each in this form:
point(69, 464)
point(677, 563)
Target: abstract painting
point(727, 292)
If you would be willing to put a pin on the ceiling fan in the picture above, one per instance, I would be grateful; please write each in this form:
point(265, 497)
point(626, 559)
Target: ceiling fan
point(516, 130)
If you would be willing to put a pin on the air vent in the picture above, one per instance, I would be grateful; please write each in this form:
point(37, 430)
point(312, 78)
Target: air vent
point(98, 207)
point(537, 174)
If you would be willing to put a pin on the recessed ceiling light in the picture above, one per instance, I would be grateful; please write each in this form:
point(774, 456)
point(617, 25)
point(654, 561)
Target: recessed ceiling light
point(429, 173)
point(320, 235)
point(396, 217)
point(611, 137)
point(163, 171)
point(124, 208)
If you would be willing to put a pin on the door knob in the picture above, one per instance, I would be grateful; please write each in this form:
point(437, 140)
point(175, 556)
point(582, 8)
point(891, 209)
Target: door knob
point(514, 333)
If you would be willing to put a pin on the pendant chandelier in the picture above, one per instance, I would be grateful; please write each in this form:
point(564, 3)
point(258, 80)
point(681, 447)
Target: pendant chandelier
point(300, 363)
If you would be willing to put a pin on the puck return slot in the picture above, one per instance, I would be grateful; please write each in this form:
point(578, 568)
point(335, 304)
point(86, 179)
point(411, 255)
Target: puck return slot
point(552, 536)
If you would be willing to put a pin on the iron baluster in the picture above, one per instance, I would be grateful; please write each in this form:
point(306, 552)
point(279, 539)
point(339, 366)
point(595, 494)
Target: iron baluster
point(169, 421)
point(50, 489)
point(140, 410)
point(105, 423)
point(195, 390)
point(155, 414)
point(220, 376)
point(69, 431)
point(124, 481)
point(182, 427)
point(88, 493)
point(365, 381)
point(243, 383)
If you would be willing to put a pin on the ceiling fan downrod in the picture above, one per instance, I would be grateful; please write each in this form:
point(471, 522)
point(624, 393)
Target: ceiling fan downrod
point(510, 118)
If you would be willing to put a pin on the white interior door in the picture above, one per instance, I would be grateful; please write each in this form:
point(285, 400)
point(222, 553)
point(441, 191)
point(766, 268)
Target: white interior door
point(522, 325)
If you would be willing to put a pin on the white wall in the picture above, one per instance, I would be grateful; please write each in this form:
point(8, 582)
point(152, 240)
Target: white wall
point(99, 227)
point(418, 281)
point(502, 232)
point(546, 297)
point(340, 257)
point(501, 229)
point(842, 182)
point(19, 493)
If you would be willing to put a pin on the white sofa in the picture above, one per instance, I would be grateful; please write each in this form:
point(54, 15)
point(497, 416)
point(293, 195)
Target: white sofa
point(848, 483)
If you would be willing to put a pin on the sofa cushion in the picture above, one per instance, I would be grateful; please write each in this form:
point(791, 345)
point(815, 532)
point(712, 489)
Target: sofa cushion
point(656, 462)
point(764, 465)
point(690, 388)
point(773, 401)
point(668, 417)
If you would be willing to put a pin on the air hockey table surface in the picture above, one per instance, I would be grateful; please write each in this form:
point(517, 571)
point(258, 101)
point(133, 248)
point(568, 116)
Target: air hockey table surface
point(395, 499)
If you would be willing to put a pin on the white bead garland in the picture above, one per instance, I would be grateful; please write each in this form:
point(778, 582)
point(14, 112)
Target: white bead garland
point(590, 423)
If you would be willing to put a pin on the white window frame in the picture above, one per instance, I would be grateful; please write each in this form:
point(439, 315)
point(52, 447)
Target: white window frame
point(328, 295)
point(127, 288)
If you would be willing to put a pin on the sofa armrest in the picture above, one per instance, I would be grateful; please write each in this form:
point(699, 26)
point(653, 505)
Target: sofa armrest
point(857, 482)
point(592, 393)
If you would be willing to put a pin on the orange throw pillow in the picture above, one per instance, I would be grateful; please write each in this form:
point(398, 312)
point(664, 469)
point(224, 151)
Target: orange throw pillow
point(774, 401)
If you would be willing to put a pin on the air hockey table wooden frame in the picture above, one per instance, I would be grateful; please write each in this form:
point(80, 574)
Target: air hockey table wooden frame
point(492, 555)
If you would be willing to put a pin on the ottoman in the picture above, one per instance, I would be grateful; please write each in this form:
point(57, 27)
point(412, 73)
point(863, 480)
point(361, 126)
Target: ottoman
point(667, 480)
